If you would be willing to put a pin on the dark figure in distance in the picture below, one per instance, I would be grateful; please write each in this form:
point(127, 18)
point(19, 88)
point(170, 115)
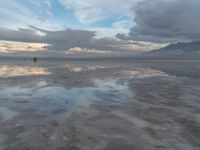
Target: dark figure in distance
point(34, 59)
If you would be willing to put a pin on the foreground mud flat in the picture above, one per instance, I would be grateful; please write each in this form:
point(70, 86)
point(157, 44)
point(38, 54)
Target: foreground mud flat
point(100, 106)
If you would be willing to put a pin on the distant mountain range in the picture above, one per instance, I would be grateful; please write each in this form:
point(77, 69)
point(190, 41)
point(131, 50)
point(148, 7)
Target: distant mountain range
point(178, 48)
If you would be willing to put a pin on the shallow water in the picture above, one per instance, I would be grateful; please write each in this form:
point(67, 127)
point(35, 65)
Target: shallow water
point(99, 105)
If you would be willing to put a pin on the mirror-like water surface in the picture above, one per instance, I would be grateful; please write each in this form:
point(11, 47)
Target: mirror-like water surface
point(99, 106)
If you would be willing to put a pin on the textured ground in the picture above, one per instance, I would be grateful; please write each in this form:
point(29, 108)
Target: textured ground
point(100, 106)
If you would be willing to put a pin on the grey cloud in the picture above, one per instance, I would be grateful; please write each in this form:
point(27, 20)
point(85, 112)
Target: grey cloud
point(20, 35)
point(63, 40)
point(165, 21)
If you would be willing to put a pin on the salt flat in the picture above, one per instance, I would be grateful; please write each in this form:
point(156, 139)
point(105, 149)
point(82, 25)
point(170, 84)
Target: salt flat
point(100, 105)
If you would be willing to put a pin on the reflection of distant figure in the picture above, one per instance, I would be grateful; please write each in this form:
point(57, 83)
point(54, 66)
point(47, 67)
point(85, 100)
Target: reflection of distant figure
point(24, 59)
point(34, 59)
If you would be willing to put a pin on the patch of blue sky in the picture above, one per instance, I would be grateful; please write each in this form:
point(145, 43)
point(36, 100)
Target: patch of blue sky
point(54, 13)
point(106, 23)
point(109, 21)
point(10, 21)
point(64, 16)
point(55, 16)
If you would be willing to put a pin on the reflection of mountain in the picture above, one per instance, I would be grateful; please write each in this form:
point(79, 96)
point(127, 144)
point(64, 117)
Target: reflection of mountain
point(179, 48)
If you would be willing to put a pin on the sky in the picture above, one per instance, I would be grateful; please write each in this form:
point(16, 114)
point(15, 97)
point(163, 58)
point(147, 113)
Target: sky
point(95, 27)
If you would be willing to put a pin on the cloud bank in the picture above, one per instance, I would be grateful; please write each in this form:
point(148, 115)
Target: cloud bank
point(76, 41)
point(165, 21)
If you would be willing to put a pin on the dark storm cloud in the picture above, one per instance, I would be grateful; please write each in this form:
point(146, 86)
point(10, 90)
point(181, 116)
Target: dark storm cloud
point(165, 21)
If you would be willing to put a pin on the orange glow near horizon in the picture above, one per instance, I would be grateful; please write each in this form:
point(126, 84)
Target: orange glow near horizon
point(9, 47)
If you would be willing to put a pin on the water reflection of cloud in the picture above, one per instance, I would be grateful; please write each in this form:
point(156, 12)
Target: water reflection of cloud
point(82, 68)
point(9, 71)
point(143, 73)
point(48, 99)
